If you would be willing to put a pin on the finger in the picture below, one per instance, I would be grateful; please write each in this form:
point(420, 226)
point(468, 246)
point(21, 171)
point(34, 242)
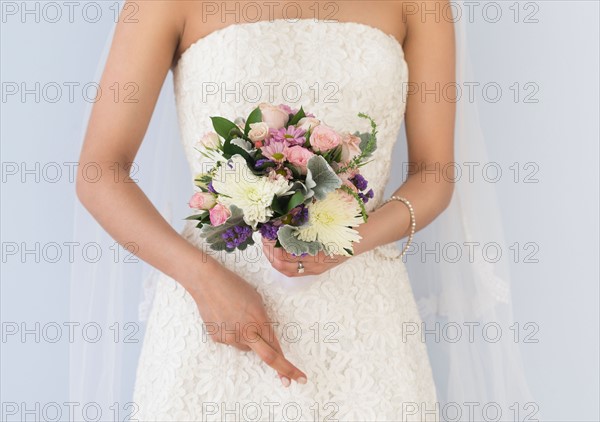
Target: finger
point(290, 269)
point(271, 339)
point(241, 347)
point(309, 268)
point(286, 263)
point(276, 360)
point(290, 257)
point(283, 255)
point(221, 339)
point(268, 242)
point(268, 247)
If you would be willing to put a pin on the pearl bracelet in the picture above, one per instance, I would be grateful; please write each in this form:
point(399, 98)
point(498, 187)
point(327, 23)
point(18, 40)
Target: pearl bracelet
point(413, 223)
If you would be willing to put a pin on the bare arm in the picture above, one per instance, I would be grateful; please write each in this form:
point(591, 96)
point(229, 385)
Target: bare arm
point(142, 53)
point(429, 52)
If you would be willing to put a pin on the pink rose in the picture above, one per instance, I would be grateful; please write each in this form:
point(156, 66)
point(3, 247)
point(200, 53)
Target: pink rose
point(273, 116)
point(299, 157)
point(308, 123)
point(219, 214)
point(324, 138)
point(287, 109)
point(350, 146)
point(210, 140)
point(202, 201)
point(258, 132)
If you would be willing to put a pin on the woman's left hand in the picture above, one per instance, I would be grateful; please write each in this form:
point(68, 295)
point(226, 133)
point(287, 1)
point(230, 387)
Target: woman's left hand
point(288, 264)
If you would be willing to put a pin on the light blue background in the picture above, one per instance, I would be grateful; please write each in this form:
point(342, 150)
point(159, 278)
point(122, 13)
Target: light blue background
point(560, 213)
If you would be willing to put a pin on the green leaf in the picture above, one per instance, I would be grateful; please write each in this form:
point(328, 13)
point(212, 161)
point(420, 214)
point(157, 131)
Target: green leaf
point(364, 138)
point(276, 206)
point(230, 149)
point(297, 117)
point(367, 145)
point(254, 117)
point(202, 181)
point(266, 164)
point(307, 137)
point(213, 234)
point(242, 143)
point(295, 171)
point(334, 154)
point(223, 126)
point(235, 132)
point(287, 237)
point(246, 243)
point(338, 154)
point(296, 199)
point(195, 217)
point(320, 177)
point(306, 191)
point(360, 202)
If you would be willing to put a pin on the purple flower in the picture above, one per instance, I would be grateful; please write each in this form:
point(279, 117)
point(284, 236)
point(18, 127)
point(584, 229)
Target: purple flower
point(269, 231)
point(291, 135)
point(261, 162)
point(236, 235)
point(299, 215)
point(365, 197)
point(360, 182)
point(210, 187)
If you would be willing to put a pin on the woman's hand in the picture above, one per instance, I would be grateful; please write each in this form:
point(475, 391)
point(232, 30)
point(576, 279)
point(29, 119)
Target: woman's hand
point(287, 264)
point(234, 314)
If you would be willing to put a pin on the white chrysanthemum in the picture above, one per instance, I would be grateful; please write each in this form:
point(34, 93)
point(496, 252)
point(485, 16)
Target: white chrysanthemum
point(330, 221)
point(237, 185)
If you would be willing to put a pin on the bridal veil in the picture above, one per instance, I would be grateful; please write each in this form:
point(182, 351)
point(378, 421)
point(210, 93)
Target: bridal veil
point(458, 269)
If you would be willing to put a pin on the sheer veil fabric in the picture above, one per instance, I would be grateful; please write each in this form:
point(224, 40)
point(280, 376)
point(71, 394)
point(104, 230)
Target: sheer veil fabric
point(463, 301)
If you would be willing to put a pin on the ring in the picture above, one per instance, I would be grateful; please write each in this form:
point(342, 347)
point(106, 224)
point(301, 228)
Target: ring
point(300, 267)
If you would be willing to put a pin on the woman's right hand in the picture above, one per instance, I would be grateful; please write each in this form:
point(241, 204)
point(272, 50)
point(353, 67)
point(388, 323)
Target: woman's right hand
point(143, 53)
point(234, 314)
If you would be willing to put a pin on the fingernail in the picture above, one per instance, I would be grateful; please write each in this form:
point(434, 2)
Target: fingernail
point(285, 381)
point(301, 380)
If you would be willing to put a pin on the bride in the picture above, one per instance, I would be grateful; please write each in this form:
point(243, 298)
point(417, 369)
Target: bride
point(219, 343)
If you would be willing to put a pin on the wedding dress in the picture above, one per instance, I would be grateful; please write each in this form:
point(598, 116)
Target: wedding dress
point(344, 328)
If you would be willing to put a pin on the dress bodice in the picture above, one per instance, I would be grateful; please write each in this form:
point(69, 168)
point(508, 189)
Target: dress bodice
point(332, 69)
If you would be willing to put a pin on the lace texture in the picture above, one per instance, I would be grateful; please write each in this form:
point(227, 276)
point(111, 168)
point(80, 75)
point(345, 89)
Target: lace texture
point(348, 329)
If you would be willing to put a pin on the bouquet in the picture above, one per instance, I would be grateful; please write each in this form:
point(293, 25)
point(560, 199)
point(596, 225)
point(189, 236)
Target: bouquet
point(287, 175)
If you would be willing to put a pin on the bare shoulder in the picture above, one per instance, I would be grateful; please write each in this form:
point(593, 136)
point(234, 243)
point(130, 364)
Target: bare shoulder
point(159, 23)
point(385, 15)
point(201, 17)
point(431, 14)
point(141, 52)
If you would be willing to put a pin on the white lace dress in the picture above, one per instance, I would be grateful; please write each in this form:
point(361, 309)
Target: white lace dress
point(343, 328)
